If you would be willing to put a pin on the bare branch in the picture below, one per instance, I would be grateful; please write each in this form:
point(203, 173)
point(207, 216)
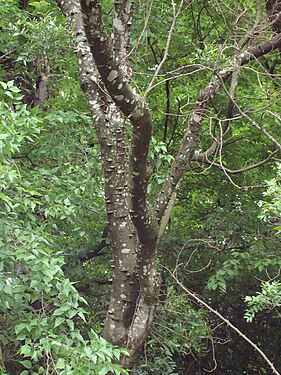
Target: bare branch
point(98, 248)
point(189, 142)
point(254, 30)
point(224, 128)
point(168, 42)
point(226, 321)
point(143, 31)
point(234, 81)
point(251, 121)
point(7, 54)
point(241, 170)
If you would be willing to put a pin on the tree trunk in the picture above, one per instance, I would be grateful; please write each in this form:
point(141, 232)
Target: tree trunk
point(135, 283)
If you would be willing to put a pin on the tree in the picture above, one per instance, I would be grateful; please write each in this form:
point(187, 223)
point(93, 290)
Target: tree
point(107, 72)
point(54, 244)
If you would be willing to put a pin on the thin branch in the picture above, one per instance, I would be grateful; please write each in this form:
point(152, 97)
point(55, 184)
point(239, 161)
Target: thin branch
point(229, 114)
point(233, 85)
point(98, 248)
point(7, 54)
point(274, 115)
point(254, 30)
point(199, 67)
point(167, 112)
point(168, 42)
point(251, 121)
point(142, 33)
point(245, 169)
point(189, 142)
point(226, 321)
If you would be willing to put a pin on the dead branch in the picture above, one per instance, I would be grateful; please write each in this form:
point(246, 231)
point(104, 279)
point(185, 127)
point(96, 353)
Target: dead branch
point(226, 321)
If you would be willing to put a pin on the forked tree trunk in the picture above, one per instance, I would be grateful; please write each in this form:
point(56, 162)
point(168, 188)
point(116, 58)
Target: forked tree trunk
point(135, 283)
point(135, 229)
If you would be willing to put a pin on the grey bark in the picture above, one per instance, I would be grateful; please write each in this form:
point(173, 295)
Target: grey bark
point(129, 313)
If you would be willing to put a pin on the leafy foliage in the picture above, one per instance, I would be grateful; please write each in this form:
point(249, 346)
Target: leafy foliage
point(271, 207)
point(268, 299)
point(43, 321)
point(52, 210)
point(270, 296)
point(178, 330)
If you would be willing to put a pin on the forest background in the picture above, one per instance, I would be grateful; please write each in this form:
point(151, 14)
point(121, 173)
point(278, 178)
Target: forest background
point(140, 187)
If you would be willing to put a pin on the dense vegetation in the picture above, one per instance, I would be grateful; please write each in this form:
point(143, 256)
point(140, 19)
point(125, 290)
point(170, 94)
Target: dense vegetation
point(219, 235)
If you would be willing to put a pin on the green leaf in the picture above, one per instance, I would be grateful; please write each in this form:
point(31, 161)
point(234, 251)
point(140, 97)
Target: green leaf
point(105, 370)
point(10, 83)
point(70, 323)
point(59, 321)
point(61, 310)
point(5, 197)
point(66, 202)
point(25, 350)
point(4, 85)
point(9, 94)
point(27, 364)
point(60, 365)
point(82, 316)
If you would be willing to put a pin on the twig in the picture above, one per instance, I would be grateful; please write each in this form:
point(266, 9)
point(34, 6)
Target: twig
point(142, 33)
point(176, 14)
point(245, 169)
point(226, 321)
point(251, 121)
point(7, 54)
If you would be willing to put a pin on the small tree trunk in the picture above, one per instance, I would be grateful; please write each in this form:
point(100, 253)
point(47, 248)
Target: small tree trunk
point(42, 70)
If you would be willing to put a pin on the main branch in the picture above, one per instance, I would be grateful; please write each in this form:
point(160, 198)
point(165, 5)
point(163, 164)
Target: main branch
point(189, 141)
point(133, 108)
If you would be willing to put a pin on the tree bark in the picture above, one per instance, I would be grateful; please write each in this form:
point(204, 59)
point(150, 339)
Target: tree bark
point(42, 70)
point(130, 313)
